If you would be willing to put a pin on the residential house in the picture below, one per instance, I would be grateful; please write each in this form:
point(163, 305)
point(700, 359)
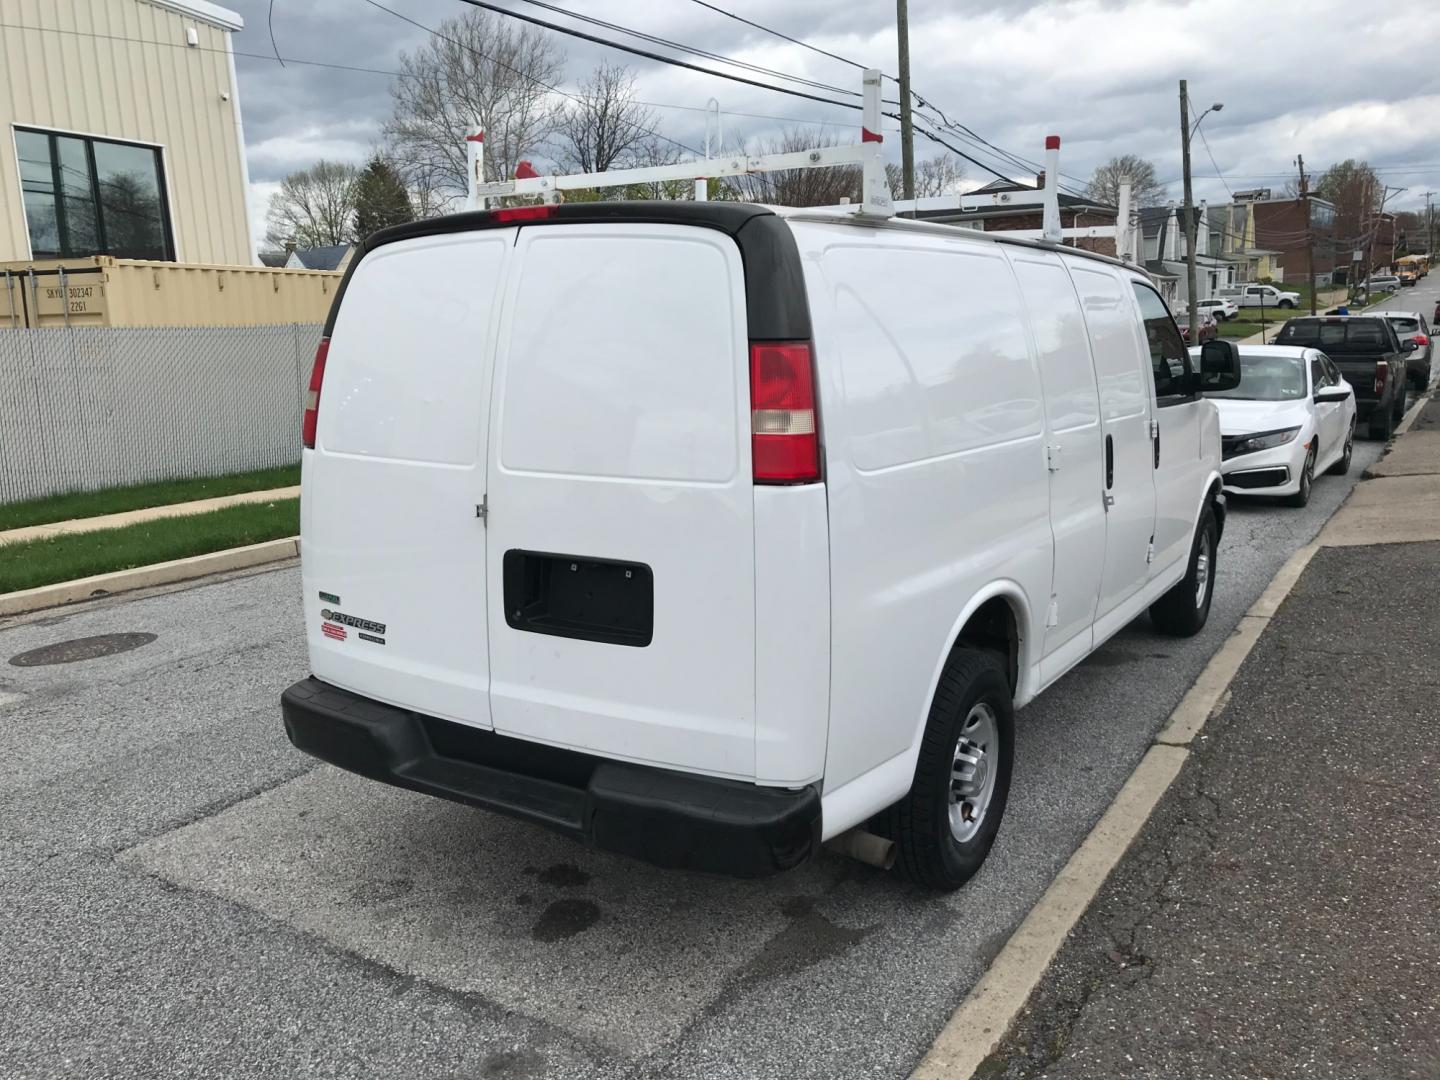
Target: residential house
point(1076, 212)
point(1162, 230)
point(121, 132)
point(1232, 237)
point(1300, 230)
point(331, 257)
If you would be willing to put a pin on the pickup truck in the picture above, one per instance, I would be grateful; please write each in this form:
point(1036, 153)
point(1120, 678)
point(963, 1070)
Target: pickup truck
point(1370, 356)
point(1261, 296)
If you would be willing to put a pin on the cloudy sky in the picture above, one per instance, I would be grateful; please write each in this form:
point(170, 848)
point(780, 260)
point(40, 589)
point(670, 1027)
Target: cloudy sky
point(1309, 77)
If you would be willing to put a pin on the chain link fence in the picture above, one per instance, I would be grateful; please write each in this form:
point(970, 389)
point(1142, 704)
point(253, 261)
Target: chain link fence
point(99, 407)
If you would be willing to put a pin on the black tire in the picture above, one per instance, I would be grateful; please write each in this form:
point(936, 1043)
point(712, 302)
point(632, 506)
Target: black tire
point(1342, 466)
point(927, 851)
point(1382, 424)
point(1179, 613)
point(1307, 482)
point(1285, 304)
point(1400, 400)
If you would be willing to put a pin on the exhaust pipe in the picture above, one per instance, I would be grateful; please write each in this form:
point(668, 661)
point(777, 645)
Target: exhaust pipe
point(865, 846)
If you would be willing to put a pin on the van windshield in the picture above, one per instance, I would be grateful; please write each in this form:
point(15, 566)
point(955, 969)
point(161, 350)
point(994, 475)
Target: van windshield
point(1266, 378)
point(1339, 335)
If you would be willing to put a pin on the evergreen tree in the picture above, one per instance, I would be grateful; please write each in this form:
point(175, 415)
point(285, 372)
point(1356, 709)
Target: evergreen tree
point(380, 199)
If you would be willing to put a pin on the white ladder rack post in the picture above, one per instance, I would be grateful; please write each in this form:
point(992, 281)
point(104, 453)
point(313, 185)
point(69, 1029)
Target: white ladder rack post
point(868, 154)
point(474, 168)
point(1050, 218)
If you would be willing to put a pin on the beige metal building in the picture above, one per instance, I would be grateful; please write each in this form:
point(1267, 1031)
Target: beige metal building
point(120, 132)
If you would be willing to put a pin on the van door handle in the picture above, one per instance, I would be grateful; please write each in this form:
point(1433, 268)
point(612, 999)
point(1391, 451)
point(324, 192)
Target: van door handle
point(1155, 438)
point(1109, 462)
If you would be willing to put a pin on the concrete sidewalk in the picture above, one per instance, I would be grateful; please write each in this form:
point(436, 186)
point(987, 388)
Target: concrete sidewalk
point(1279, 914)
point(149, 513)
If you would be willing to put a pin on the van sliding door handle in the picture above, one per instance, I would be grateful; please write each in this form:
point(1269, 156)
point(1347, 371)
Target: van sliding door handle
point(1109, 462)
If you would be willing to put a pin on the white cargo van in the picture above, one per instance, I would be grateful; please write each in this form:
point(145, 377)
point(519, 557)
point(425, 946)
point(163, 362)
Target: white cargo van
point(705, 532)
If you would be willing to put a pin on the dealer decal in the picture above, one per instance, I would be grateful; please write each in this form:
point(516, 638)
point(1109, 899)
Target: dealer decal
point(333, 631)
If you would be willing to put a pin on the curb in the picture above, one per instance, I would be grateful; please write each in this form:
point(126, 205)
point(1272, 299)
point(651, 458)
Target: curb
point(165, 573)
point(976, 1028)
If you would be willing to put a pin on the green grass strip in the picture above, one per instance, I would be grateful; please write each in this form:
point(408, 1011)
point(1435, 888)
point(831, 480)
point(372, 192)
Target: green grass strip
point(63, 558)
point(83, 504)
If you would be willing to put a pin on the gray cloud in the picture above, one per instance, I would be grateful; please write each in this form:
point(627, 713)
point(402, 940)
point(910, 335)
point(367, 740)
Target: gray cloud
point(1101, 74)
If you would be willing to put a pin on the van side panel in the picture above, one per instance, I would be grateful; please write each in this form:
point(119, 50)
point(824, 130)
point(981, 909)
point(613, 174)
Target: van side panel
point(1077, 468)
point(621, 432)
point(935, 467)
point(389, 492)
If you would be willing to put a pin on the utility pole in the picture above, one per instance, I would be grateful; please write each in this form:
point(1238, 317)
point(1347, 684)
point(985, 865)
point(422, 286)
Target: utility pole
point(1192, 299)
point(1309, 231)
point(1429, 227)
point(907, 132)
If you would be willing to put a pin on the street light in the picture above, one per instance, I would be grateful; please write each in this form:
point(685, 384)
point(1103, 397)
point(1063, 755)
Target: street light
point(1187, 130)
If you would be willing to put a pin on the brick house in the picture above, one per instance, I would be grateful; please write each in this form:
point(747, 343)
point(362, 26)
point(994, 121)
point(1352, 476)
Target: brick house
point(1076, 212)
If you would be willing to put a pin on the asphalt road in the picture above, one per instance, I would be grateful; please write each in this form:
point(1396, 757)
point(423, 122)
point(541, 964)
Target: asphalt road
point(184, 895)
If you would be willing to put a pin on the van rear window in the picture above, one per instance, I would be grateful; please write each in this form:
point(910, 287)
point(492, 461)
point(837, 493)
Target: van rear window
point(1353, 335)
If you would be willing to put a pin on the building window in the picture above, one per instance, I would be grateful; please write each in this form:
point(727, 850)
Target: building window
point(1322, 215)
point(88, 196)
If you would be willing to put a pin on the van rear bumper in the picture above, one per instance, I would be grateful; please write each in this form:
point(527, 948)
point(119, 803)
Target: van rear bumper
point(671, 819)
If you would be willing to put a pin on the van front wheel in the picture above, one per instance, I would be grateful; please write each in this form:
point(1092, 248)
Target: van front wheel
point(1182, 611)
point(944, 827)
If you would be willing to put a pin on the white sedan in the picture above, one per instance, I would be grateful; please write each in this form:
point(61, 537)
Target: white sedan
point(1292, 415)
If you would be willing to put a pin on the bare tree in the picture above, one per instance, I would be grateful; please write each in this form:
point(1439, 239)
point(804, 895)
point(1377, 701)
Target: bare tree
point(798, 187)
point(938, 175)
point(1145, 190)
point(477, 70)
point(313, 207)
point(603, 126)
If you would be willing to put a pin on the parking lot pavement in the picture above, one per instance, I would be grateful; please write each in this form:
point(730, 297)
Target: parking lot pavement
point(182, 894)
point(1277, 915)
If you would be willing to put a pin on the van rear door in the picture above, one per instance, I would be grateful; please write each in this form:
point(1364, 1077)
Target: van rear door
point(621, 504)
point(393, 549)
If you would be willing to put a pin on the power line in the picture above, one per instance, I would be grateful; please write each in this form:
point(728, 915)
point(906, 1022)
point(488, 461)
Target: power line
point(594, 39)
point(668, 43)
point(196, 48)
point(783, 37)
point(1206, 143)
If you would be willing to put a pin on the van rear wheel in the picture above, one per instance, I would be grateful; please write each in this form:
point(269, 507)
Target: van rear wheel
point(944, 827)
point(1182, 611)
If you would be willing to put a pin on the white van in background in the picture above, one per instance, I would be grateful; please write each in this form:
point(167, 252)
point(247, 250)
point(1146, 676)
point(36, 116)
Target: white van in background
point(705, 532)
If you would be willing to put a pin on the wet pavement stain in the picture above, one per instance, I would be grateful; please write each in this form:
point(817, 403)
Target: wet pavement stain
point(564, 919)
point(563, 875)
point(809, 939)
point(85, 648)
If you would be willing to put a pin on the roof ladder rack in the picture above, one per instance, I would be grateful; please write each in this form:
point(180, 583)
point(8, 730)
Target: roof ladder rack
point(875, 201)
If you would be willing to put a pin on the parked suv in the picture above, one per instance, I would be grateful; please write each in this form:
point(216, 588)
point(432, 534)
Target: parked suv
point(1414, 334)
point(705, 533)
point(1368, 354)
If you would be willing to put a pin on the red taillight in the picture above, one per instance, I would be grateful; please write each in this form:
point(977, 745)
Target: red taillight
point(1381, 371)
point(523, 213)
point(312, 396)
point(1421, 340)
point(784, 443)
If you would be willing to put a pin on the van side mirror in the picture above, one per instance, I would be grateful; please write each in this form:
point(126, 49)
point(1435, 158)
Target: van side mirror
point(1219, 365)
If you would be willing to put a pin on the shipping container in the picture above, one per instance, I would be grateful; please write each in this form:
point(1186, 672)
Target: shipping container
point(104, 291)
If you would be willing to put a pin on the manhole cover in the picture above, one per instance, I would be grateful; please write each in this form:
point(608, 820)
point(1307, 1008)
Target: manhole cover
point(83, 648)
